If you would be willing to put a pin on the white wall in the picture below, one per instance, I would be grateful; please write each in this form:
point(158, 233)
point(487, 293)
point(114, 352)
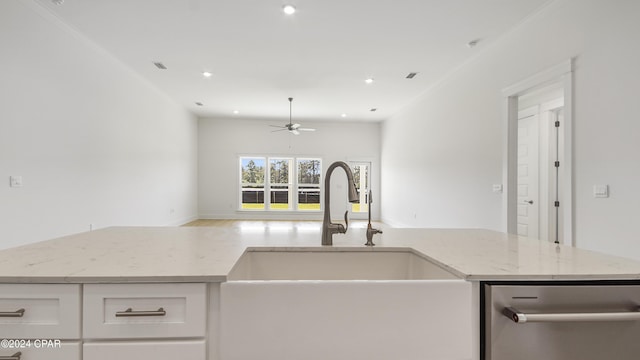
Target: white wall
point(94, 143)
point(453, 148)
point(222, 141)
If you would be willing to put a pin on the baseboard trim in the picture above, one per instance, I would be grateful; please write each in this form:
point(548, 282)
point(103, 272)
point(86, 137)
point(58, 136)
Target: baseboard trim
point(182, 221)
point(261, 216)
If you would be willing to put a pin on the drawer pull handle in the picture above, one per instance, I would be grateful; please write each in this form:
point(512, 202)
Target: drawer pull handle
point(15, 356)
point(17, 313)
point(130, 312)
point(519, 317)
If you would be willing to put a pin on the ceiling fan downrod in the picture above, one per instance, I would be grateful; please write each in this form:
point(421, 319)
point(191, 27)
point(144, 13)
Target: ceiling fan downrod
point(290, 105)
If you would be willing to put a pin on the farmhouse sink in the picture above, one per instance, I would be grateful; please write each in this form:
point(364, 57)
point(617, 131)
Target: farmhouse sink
point(335, 264)
point(343, 304)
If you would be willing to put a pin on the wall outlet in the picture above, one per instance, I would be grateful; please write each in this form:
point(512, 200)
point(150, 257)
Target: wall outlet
point(15, 181)
point(600, 191)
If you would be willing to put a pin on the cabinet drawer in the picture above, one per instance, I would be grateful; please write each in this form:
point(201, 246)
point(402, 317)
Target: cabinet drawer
point(137, 350)
point(125, 311)
point(39, 311)
point(44, 351)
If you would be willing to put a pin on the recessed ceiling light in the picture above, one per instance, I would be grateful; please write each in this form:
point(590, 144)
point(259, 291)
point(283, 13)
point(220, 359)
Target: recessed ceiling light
point(198, 103)
point(369, 81)
point(343, 115)
point(207, 74)
point(160, 65)
point(289, 9)
point(236, 112)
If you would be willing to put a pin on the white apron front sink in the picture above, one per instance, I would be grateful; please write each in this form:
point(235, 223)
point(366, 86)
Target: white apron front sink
point(335, 264)
point(336, 303)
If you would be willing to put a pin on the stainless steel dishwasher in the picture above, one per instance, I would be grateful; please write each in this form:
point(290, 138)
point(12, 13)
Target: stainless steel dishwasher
point(561, 320)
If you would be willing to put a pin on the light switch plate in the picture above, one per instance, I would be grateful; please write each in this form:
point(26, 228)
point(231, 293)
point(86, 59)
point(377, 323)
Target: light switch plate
point(600, 191)
point(497, 188)
point(15, 181)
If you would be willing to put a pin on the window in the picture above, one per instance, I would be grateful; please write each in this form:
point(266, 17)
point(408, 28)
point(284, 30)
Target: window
point(282, 178)
point(252, 171)
point(309, 184)
point(280, 186)
point(361, 176)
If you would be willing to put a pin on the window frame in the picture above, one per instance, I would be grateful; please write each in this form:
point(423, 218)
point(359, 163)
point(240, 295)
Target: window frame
point(293, 186)
point(289, 184)
point(298, 184)
point(241, 183)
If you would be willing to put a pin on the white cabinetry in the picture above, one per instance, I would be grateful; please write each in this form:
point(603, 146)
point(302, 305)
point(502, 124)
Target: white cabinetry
point(66, 351)
point(125, 311)
point(138, 350)
point(119, 321)
point(169, 320)
point(40, 321)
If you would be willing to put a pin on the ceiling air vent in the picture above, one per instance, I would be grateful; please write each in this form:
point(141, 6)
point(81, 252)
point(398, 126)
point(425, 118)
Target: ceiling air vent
point(373, 109)
point(160, 65)
point(198, 103)
point(411, 75)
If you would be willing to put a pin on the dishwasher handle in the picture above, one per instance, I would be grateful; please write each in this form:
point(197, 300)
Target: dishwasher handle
point(519, 317)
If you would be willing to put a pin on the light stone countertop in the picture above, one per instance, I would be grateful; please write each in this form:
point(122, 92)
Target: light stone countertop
point(207, 254)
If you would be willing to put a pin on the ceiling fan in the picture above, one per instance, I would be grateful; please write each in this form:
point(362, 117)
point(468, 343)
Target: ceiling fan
point(291, 127)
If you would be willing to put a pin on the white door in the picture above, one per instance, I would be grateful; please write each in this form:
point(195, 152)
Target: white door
point(550, 170)
point(528, 163)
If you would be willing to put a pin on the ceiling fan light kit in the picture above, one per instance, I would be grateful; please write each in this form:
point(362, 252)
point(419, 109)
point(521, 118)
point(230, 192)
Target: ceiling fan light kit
point(291, 127)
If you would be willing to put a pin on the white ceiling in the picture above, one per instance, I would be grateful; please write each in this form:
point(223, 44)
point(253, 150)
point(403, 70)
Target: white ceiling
point(320, 56)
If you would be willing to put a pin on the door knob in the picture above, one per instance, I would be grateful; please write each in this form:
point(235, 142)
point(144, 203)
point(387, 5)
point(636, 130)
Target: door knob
point(529, 202)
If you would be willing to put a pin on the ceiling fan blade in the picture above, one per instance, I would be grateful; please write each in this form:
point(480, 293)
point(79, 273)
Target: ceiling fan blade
point(294, 126)
point(306, 129)
point(294, 132)
point(278, 126)
point(278, 130)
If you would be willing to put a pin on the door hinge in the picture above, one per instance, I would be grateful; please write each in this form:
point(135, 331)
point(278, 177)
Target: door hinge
point(557, 123)
point(557, 164)
point(557, 204)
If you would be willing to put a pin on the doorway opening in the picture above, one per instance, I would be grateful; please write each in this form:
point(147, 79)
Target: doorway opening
point(362, 178)
point(538, 162)
point(540, 122)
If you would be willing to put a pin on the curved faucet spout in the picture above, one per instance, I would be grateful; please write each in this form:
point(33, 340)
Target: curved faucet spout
point(328, 228)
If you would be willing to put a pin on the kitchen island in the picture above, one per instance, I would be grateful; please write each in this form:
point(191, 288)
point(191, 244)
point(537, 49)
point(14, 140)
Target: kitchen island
point(96, 270)
point(207, 254)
